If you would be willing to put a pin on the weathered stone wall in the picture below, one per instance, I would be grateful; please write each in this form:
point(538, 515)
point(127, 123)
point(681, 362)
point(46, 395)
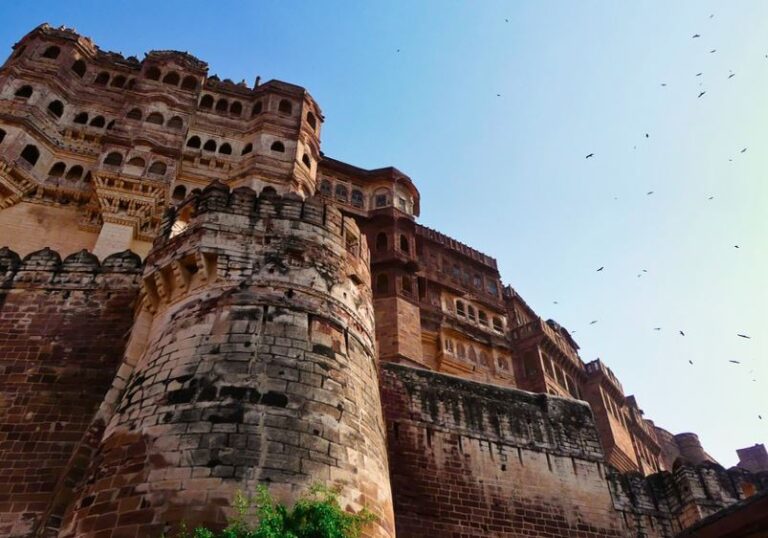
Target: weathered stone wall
point(253, 362)
point(663, 504)
point(63, 329)
point(470, 459)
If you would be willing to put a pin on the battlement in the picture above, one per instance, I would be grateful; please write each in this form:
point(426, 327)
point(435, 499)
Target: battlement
point(45, 268)
point(264, 208)
point(454, 245)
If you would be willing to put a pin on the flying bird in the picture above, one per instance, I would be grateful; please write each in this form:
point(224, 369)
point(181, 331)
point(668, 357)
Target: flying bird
point(760, 417)
point(590, 155)
point(682, 333)
point(712, 15)
point(735, 362)
point(702, 93)
point(601, 268)
point(498, 95)
point(649, 193)
point(593, 322)
point(699, 74)
point(645, 270)
point(664, 83)
point(744, 336)
point(735, 246)
point(710, 198)
point(657, 328)
point(695, 36)
point(647, 135)
point(732, 75)
point(713, 51)
point(690, 361)
point(554, 302)
point(744, 150)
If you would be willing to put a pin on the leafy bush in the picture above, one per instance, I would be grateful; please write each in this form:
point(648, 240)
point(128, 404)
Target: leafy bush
point(315, 515)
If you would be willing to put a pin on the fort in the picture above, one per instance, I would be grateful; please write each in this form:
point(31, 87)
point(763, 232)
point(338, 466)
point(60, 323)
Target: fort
point(194, 300)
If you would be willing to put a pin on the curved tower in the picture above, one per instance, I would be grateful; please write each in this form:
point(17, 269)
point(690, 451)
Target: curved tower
point(252, 361)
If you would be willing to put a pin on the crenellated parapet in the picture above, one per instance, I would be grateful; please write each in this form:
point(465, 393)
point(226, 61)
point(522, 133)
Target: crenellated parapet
point(45, 269)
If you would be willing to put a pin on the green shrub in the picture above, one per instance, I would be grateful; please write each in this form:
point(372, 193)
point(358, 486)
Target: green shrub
point(315, 515)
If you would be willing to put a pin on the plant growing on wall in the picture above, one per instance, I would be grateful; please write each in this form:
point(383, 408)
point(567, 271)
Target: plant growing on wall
point(315, 515)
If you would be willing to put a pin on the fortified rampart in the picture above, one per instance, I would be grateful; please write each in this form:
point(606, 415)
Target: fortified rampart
point(470, 459)
point(252, 361)
point(63, 328)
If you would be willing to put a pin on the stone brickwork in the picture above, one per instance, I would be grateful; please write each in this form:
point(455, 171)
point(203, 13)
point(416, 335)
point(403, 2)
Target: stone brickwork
point(258, 367)
point(63, 329)
point(468, 459)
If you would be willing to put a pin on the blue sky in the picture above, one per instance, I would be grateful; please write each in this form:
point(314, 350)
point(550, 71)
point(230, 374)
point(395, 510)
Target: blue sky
point(507, 173)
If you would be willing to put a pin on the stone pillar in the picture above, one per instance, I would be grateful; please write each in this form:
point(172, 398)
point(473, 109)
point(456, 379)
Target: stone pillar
point(259, 368)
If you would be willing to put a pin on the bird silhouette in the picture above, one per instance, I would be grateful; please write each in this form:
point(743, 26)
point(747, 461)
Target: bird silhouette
point(732, 75)
point(649, 193)
point(735, 246)
point(760, 417)
point(735, 362)
point(645, 270)
point(699, 74)
point(713, 51)
point(702, 93)
point(657, 328)
point(664, 83)
point(682, 333)
point(498, 95)
point(690, 361)
point(695, 36)
point(590, 155)
point(744, 150)
point(593, 322)
point(744, 336)
point(647, 135)
point(506, 20)
point(710, 198)
point(601, 268)
point(555, 302)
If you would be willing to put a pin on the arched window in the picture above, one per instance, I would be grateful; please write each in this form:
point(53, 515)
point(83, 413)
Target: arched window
point(189, 83)
point(176, 123)
point(24, 91)
point(75, 173)
point(210, 145)
point(52, 52)
point(497, 324)
point(102, 79)
point(179, 193)
point(382, 284)
point(471, 354)
point(206, 101)
point(460, 311)
point(152, 73)
point(407, 285)
point(81, 118)
point(312, 121)
point(222, 105)
point(268, 191)
point(482, 317)
point(381, 199)
point(79, 68)
point(285, 106)
point(172, 78)
point(247, 149)
point(158, 168)
point(134, 114)
point(2, 136)
point(461, 350)
point(471, 312)
point(57, 170)
point(87, 178)
point(131, 83)
point(306, 161)
point(257, 108)
point(56, 108)
point(98, 121)
point(404, 244)
point(277, 146)
point(381, 242)
point(341, 193)
point(30, 154)
point(118, 82)
point(156, 118)
point(111, 125)
point(325, 188)
point(501, 361)
point(137, 162)
point(114, 159)
point(236, 108)
point(357, 198)
point(194, 142)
